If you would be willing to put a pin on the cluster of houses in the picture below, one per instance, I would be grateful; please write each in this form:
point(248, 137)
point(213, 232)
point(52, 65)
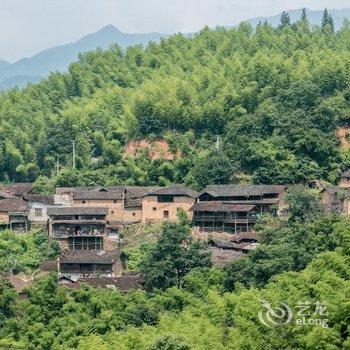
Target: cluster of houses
point(87, 221)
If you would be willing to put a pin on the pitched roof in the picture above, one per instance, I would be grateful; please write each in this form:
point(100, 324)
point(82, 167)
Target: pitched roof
point(100, 195)
point(67, 211)
point(38, 198)
point(345, 174)
point(175, 190)
point(124, 283)
point(223, 257)
point(222, 243)
point(13, 205)
point(245, 236)
point(135, 194)
point(71, 190)
point(242, 190)
point(214, 206)
point(337, 190)
point(17, 189)
point(4, 195)
point(89, 257)
point(50, 265)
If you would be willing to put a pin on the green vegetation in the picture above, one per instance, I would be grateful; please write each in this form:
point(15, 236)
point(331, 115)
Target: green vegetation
point(200, 314)
point(25, 252)
point(173, 256)
point(275, 97)
point(189, 305)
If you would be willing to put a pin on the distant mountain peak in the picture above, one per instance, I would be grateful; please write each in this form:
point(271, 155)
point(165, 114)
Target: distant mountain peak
point(110, 28)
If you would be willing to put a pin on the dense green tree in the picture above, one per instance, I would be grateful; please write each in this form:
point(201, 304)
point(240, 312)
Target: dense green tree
point(173, 256)
point(273, 95)
point(285, 20)
point(215, 168)
point(303, 204)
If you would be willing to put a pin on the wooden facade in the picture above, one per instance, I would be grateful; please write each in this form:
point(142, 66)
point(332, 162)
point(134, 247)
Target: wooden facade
point(224, 217)
point(80, 228)
point(89, 263)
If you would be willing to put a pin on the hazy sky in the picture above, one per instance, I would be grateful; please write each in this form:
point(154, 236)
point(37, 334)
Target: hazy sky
point(29, 26)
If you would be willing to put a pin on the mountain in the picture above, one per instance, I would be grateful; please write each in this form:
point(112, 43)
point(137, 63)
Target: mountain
point(58, 58)
point(314, 17)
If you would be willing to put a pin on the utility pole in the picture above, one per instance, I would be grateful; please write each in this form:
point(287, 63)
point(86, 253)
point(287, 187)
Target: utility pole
point(58, 165)
point(73, 145)
point(217, 145)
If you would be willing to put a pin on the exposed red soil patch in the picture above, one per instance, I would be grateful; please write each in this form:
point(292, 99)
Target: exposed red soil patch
point(157, 149)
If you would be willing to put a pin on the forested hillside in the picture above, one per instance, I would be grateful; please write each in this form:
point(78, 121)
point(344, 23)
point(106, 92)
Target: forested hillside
point(275, 97)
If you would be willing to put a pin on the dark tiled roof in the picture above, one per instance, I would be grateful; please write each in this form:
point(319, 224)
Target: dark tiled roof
point(336, 190)
point(245, 236)
point(175, 190)
point(71, 190)
point(50, 265)
point(17, 189)
point(223, 257)
point(222, 244)
point(13, 205)
point(139, 191)
point(213, 206)
point(89, 257)
point(4, 195)
point(242, 190)
point(67, 211)
point(100, 195)
point(345, 174)
point(38, 198)
point(124, 283)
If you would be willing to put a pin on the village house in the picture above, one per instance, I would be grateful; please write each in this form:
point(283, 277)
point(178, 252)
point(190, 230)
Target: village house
point(18, 189)
point(125, 283)
point(345, 179)
point(81, 228)
point(124, 203)
point(225, 250)
point(134, 196)
point(37, 208)
point(89, 263)
point(265, 198)
point(14, 214)
point(228, 217)
point(102, 197)
point(336, 199)
point(164, 203)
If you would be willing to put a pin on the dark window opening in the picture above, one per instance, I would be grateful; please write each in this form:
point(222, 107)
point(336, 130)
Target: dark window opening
point(85, 243)
point(165, 199)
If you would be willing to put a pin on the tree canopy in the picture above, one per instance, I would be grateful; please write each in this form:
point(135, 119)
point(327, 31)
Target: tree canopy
point(274, 95)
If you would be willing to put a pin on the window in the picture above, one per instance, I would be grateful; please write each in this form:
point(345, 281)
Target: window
point(38, 212)
point(166, 214)
point(112, 211)
point(165, 199)
point(154, 209)
point(115, 201)
point(85, 243)
point(133, 214)
point(83, 202)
